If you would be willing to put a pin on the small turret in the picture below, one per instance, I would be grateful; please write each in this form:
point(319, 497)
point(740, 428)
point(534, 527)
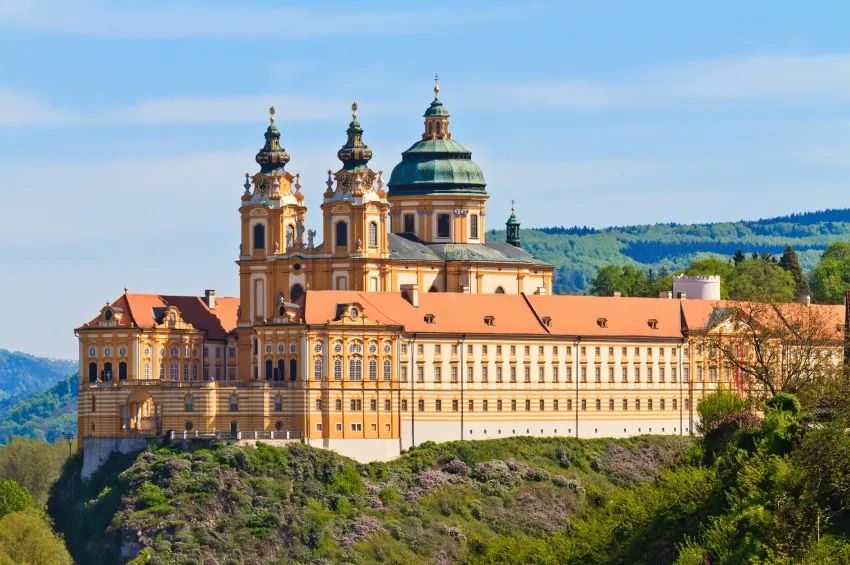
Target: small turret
point(354, 154)
point(272, 158)
point(512, 228)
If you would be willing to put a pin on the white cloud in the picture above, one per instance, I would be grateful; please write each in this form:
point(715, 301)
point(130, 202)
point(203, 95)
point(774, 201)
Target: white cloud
point(21, 109)
point(206, 19)
point(771, 79)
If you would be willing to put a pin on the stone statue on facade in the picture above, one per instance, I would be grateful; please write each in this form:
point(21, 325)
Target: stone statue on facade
point(310, 235)
point(289, 238)
point(359, 244)
point(299, 231)
point(277, 247)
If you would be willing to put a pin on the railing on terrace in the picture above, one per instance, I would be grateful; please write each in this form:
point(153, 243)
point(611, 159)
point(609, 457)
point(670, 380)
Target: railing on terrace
point(255, 434)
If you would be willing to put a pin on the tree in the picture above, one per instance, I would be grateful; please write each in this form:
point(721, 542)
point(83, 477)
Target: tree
point(25, 537)
point(755, 279)
point(716, 406)
point(831, 277)
point(627, 280)
point(713, 266)
point(779, 347)
point(34, 465)
point(738, 257)
point(791, 263)
point(13, 498)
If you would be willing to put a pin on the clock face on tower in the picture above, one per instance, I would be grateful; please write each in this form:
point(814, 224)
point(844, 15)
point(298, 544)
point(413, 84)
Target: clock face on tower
point(263, 185)
point(367, 182)
point(345, 182)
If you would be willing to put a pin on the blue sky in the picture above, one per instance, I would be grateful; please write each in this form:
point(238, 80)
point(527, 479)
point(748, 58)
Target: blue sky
point(126, 127)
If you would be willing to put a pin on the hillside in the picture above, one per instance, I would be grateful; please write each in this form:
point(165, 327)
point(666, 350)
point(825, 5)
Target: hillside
point(579, 252)
point(22, 374)
point(45, 415)
point(762, 489)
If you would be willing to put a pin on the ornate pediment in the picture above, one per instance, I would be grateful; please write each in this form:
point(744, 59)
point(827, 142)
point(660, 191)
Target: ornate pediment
point(259, 212)
point(339, 209)
point(110, 316)
point(351, 314)
point(171, 319)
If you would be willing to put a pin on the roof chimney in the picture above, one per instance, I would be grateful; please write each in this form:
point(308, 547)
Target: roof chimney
point(209, 298)
point(410, 292)
point(807, 300)
point(617, 294)
point(682, 295)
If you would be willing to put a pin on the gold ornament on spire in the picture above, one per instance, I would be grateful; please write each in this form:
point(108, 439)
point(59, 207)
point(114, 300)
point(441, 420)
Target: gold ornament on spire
point(512, 207)
point(436, 85)
point(271, 114)
point(354, 111)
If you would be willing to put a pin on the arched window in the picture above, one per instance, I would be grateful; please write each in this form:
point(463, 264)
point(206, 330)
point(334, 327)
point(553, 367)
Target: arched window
point(259, 236)
point(185, 371)
point(337, 369)
point(187, 402)
point(268, 369)
point(278, 426)
point(278, 403)
point(373, 234)
point(280, 370)
point(296, 292)
point(317, 370)
point(92, 372)
point(122, 371)
point(234, 403)
point(147, 370)
point(341, 234)
point(373, 370)
point(189, 426)
point(500, 290)
point(293, 372)
point(355, 369)
point(107, 371)
point(162, 371)
point(386, 369)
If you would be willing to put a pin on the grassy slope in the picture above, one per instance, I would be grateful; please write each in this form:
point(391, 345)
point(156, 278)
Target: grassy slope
point(45, 415)
point(305, 505)
point(578, 255)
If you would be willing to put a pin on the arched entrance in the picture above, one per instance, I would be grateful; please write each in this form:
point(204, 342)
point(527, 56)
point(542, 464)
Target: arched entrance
point(140, 415)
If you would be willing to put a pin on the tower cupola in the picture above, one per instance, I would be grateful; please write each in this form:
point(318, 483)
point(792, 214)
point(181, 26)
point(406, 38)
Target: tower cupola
point(512, 228)
point(354, 154)
point(272, 158)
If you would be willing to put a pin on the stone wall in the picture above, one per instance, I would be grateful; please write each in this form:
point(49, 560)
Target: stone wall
point(97, 450)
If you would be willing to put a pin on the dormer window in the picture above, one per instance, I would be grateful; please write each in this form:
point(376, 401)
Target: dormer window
point(602, 322)
point(107, 314)
point(547, 321)
point(653, 323)
point(429, 319)
point(490, 320)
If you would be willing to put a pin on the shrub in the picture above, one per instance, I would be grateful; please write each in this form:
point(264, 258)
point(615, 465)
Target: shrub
point(150, 496)
point(725, 431)
point(347, 482)
point(456, 467)
point(536, 474)
point(495, 470)
point(717, 406)
point(13, 498)
point(26, 538)
point(785, 402)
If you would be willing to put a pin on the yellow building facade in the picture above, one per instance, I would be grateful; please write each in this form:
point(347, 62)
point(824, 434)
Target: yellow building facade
point(403, 325)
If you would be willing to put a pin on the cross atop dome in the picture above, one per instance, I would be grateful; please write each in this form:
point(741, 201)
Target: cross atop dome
point(436, 85)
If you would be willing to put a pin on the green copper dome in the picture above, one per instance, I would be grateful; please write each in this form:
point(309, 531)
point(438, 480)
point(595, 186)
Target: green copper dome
point(437, 164)
point(354, 154)
point(272, 158)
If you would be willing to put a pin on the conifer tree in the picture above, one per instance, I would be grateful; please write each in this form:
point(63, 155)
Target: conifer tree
point(791, 263)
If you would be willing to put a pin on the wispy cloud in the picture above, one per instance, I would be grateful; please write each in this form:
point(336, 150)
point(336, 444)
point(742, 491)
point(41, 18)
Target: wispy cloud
point(208, 19)
point(21, 109)
point(771, 79)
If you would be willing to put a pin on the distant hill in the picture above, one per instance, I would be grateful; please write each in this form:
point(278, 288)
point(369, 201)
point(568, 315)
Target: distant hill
point(45, 415)
point(578, 252)
point(23, 374)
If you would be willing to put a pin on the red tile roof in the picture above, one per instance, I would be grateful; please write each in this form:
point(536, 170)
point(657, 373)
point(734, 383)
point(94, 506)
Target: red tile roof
point(139, 309)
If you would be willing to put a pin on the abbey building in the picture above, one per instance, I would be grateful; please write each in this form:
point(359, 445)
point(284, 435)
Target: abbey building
point(400, 323)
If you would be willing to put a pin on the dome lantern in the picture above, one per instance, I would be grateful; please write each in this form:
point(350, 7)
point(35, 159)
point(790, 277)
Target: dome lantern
point(354, 154)
point(512, 228)
point(272, 158)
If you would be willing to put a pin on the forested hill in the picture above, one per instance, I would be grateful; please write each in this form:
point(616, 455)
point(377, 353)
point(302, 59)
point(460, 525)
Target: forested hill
point(22, 374)
point(578, 252)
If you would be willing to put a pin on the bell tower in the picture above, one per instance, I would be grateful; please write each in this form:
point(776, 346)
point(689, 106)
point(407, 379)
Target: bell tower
point(355, 210)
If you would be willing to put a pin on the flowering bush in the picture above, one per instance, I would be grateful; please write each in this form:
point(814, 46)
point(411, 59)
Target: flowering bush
point(360, 528)
point(536, 474)
point(456, 467)
point(495, 470)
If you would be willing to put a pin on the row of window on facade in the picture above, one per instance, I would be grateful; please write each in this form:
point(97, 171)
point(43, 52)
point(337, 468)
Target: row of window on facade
point(173, 351)
point(106, 373)
point(554, 374)
point(649, 352)
point(499, 405)
point(444, 225)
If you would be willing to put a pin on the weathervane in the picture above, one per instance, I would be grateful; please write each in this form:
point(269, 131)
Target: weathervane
point(271, 114)
point(436, 85)
point(512, 207)
point(354, 111)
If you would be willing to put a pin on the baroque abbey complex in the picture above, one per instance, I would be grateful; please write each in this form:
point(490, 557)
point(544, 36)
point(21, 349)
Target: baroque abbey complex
point(404, 324)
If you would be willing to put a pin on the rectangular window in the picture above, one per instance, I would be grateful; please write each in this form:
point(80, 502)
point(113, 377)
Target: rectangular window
point(542, 405)
point(420, 349)
point(555, 405)
point(469, 350)
point(649, 404)
point(483, 374)
point(610, 352)
point(454, 374)
point(528, 406)
point(356, 405)
point(610, 374)
point(498, 350)
point(584, 404)
point(318, 427)
point(625, 376)
point(438, 374)
point(686, 404)
point(598, 404)
point(421, 406)
point(483, 350)
point(498, 374)
point(513, 405)
point(624, 353)
point(409, 223)
point(386, 405)
point(584, 374)
point(660, 404)
point(673, 374)
point(625, 404)
point(443, 225)
point(637, 404)
point(649, 374)
point(339, 427)
point(473, 226)
point(686, 373)
point(438, 405)
point(569, 374)
point(373, 405)
point(338, 405)
point(699, 374)
point(319, 405)
point(527, 350)
point(404, 405)
point(484, 405)
point(541, 374)
point(554, 374)
point(498, 405)
point(513, 350)
point(611, 404)
point(436, 350)
point(597, 374)
point(675, 404)
point(420, 374)
point(661, 351)
point(404, 349)
point(469, 374)
point(569, 350)
point(404, 374)
point(357, 427)
point(470, 405)
point(661, 374)
point(527, 374)
point(637, 352)
point(455, 406)
point(513, 374)
point(637, 374)
point(569, 404)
